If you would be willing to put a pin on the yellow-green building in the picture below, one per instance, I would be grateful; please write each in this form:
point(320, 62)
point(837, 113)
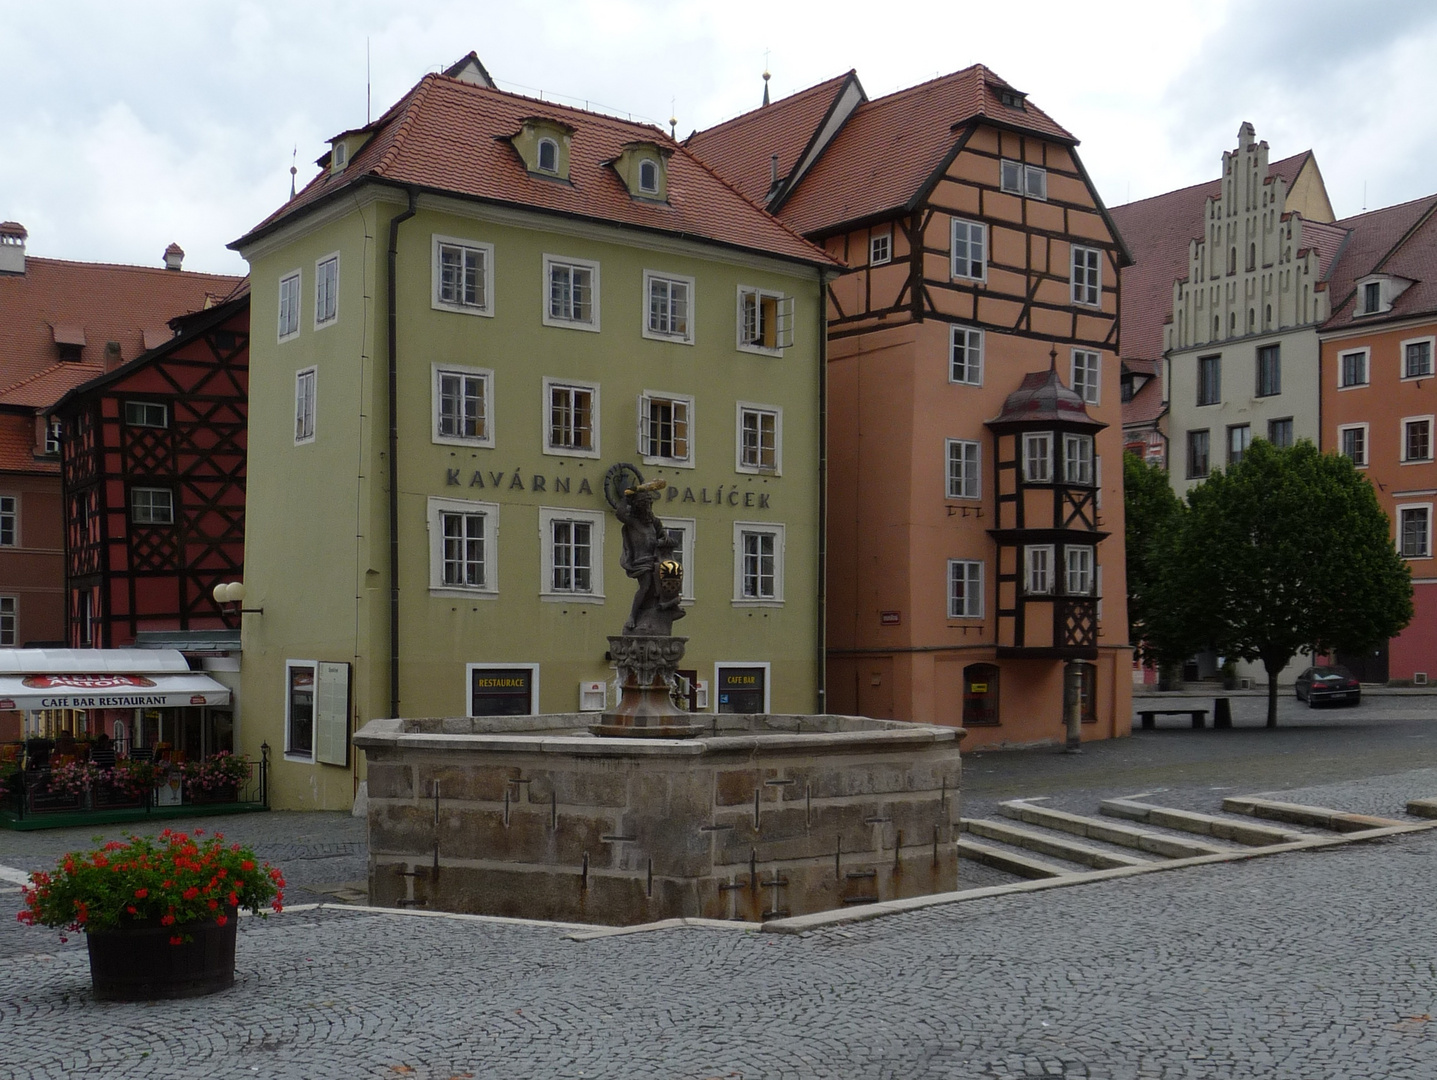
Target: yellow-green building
point(480, 305)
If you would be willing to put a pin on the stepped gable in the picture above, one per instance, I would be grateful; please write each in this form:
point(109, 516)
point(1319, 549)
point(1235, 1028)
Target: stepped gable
point(1398, 240)
point(891, 147)
point(1157, 232)
point(452, 137)
point(741, 150)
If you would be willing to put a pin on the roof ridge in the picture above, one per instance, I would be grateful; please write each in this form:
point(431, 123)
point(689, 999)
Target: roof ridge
point(936, 79)
point(1384, 209)
point(127, 266)
point(608, 118)
point(58, 365)
point(783, 100)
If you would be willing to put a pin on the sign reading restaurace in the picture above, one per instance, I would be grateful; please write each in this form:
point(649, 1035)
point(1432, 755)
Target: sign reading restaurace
point(505, 480)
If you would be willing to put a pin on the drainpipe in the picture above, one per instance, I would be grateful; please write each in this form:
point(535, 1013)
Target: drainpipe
point(822, 657)
point(392, 289)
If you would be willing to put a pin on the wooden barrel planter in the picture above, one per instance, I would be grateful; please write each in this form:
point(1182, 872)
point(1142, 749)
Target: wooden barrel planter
point(138, 963)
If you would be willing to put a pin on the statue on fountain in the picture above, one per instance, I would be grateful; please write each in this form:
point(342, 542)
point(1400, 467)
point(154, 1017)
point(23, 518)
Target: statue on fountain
point(648, 558)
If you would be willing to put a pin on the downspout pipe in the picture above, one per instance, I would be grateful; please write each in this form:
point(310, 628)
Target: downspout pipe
point(822, 657)
point(392, 295)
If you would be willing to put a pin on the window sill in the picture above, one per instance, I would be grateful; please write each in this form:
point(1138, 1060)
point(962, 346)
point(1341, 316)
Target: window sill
point(327, 323)
point(671, 463)
point(459, 440)
point(672, 339)
point(567, 324)
point(758, 470)
point(565, 451)
point(747, 603)
point(1417, 378)
point(299, 759)
point(1416, 461)
point(1354, 386)
point(760, 350)
point(454, 593)
point(463, 309)
point(571, 598)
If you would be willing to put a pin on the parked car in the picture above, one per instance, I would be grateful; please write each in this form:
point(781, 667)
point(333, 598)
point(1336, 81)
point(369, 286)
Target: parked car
point(1335, 684)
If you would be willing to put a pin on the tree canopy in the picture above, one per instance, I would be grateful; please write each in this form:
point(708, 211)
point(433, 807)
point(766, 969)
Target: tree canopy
point(1157, 625)
point(1287, 550)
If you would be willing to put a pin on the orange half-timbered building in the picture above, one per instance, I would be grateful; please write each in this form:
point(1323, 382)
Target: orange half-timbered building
point(975, 554)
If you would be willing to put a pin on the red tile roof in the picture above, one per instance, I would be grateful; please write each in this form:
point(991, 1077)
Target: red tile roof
point(1399, 240)
point(1146, 404)
point(17, 447)
point(890, 146)
point(1157, 232)
point(451, 136)
point(741, 150)
point(44, 388)
point(103, 302)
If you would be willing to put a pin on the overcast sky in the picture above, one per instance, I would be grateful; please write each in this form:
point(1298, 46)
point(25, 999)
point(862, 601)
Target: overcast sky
point(128, 125)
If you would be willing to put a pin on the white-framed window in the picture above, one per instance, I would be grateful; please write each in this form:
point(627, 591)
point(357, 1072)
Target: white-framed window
point(152, 506)
point(571, 293)
point(1352, 368)
point(299, 680)
point(326, 290)
point(289, 306)
point(1416, 439)
point(304, 405)
point(760, 438)
point(880, 246)
point(9, 520)
point(571, 418)
point(548, 156)
point(572, 542)
point(1028, 180)
point(53, 432)
point(965, 589)
point(1078, 459)
point(8, 609)
point(966, 355)
point(1087, 276)
point(1417, 358)
point(1038, 457)
point(765, 321)
point(463, 547)
point(683, 532)
point(1087, 375)
point(969, 250)
point(1038, 569)
point(1414, 531)
point(965, 477)
point(463, 276)
point(757, 563)
point(501, 689)
point(1079, 568)
point(147, 414)
point(649, 176)
point(463, 405)
point(666, 428)
point(668, 307)
point(1352, 444)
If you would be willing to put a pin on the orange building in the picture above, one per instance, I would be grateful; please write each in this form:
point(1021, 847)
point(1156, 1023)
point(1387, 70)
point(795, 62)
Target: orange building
point(1379, 401)
point(975, 547)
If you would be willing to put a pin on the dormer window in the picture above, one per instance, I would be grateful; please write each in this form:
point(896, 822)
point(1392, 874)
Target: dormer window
point(649, 177)
point(1378, 293)
point(1372, 297)
point(643, 167)
point(544, 144)
point(1011, 99)
point(548, 156)
point(340, 157)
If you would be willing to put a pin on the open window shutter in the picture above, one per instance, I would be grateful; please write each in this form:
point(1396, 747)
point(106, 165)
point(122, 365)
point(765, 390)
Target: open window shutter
point(783, 323)
point(331, 714)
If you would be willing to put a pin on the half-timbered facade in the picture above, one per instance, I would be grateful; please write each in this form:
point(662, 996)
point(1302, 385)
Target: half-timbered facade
point(979, 256)
point(153, 473)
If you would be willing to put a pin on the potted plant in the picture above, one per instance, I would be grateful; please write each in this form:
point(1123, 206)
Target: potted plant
point(131, 776)
point(73, 778)
point(158, 914)
point(215, 779)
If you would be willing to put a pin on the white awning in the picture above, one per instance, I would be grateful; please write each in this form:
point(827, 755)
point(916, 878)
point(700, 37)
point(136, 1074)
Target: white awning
point(110, 691)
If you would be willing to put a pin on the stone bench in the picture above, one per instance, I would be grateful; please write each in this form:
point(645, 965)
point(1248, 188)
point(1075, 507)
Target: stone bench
point(1149, 716)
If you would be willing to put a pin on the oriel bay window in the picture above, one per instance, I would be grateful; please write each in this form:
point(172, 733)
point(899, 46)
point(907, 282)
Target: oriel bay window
point(573, 550)
point(462, 545)
point(1038, 569)
point(1079, 567)
point(1078, 460)
point(461, 405)
point(664, 428)
point(572, 414)
point(1038, 457)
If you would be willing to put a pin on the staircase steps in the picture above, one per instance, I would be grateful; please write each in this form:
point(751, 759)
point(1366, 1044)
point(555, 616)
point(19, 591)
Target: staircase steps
point(1109, 832)
point(1010, 862)
point(1297, 814)
point(1239, 832)
point(1048, 844)
point(1423, 808)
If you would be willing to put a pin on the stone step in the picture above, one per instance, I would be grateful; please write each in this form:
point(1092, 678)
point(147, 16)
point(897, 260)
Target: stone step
point(1109, 832)
point(1009, 861)
point(1239, 832)
point(1298, 814)
point(1423, 808)
point(1048, 844)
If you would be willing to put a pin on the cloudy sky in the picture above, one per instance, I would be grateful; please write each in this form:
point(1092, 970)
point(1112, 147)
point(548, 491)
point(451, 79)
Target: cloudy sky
point(128, 125)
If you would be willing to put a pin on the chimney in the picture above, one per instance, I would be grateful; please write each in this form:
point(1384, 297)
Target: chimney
point(12, 247)
point(174, 255)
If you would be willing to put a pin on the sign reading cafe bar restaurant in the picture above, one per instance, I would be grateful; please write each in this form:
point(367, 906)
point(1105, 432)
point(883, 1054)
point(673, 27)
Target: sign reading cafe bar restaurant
point(107, 691)
point(561, 485)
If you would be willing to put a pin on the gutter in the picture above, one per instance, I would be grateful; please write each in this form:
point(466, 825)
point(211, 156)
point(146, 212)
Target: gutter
point(392, 291)
point(822, 638)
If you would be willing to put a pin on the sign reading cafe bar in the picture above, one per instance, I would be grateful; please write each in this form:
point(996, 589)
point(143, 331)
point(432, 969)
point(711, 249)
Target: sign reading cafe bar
point(106, 691)
point(561, 485)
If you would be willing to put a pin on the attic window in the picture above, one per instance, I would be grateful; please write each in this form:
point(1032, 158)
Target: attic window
point(548, 156)
point(341, 156)
point(649, 176)
point(1011, 99)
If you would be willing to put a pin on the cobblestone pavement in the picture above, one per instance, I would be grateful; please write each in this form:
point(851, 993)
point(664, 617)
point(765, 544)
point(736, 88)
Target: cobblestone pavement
point(1305, 967)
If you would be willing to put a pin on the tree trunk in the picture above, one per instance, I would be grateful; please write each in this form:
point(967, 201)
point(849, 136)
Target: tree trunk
point(1272, 691)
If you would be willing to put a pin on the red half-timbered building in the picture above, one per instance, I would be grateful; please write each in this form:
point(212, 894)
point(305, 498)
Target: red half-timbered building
point(973, 399)
point(153, 474)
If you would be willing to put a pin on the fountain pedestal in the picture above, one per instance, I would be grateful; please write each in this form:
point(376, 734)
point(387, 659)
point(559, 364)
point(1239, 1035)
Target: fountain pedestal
point(646, 709)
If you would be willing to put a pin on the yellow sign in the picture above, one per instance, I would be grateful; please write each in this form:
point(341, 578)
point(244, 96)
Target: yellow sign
point(978, 688)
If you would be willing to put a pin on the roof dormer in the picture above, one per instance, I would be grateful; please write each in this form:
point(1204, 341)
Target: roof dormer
point(342, 149)
point(1376, 293)
point(644, 168)
point(544, 145)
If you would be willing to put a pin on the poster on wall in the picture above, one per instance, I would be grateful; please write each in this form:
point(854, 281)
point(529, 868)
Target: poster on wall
point(331, 713)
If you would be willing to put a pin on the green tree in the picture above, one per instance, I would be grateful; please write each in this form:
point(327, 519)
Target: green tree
point(1290, 549)
point(1160, 624)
